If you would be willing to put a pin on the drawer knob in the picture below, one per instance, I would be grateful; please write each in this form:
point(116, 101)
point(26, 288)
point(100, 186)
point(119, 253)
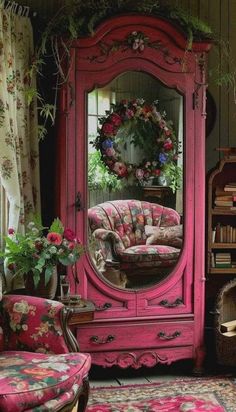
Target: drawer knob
point(101, 308)
point(164, 336)
point(98, 341)
point(168, 304)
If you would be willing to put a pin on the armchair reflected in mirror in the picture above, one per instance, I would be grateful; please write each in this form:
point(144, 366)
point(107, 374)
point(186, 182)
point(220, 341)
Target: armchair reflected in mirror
point(135, 143)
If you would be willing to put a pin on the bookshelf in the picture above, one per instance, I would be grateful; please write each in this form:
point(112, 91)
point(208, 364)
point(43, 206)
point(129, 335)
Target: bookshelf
point(221, 231)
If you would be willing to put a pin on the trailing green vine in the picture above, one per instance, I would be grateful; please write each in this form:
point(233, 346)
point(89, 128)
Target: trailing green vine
point(81, 18)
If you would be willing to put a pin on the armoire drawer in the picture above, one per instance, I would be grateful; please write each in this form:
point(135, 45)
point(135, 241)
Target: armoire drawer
point(135, 336)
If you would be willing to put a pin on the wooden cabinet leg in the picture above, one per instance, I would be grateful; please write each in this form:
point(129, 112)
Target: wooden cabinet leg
point(199, 361)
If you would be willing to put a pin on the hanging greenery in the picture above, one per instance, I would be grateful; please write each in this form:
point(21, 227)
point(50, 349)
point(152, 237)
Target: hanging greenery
point(80, 18)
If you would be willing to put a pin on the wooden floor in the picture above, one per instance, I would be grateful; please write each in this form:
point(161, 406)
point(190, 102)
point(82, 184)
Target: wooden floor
point(99, 376)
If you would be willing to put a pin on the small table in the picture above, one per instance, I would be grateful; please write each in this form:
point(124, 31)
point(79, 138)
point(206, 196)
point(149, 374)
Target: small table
point(82, 312)
point(159, 192)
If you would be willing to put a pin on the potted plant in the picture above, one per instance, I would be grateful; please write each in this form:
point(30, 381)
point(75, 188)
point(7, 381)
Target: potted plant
point(34, 256)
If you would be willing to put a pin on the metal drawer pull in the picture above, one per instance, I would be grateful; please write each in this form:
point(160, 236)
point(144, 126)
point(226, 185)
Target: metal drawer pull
point(106, 306)
point(98, 341)
point(163, 336)
point(167, 304)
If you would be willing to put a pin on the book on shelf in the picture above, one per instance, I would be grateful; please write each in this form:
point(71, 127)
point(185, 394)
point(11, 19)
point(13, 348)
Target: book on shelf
point(223, 265)
point(224, 234)
point(213, 235)
point(229, 334)
point(219, 191)
point(225, 197)
point(228, 326)
point(229, 187)
point(223, 203)
point(213, 260)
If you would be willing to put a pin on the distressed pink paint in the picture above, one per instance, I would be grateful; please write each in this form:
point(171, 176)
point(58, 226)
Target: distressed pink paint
point(133, 328)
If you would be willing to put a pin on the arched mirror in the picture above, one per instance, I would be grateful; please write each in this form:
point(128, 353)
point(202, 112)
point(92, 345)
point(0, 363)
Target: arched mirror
point(135, 180)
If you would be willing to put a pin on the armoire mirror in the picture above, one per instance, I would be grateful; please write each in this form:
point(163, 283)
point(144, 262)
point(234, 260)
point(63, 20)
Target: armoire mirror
point(161, 183)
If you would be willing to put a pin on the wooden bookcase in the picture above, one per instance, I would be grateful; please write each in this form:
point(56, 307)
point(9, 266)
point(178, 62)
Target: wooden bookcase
point(221, 240)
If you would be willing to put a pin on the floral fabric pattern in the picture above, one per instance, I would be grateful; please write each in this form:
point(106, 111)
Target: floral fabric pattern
point(30, 379)
point(36, 381)
point(122, 223)
point(19, 157)
point(34, 324)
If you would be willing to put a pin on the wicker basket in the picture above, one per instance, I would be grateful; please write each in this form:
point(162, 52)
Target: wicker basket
point(225, 311)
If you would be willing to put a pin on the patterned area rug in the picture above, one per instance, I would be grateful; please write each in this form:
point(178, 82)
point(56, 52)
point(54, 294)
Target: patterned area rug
point(177, 395)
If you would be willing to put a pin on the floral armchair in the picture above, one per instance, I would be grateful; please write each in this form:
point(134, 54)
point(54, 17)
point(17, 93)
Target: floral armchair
point(40, 367)
point(122, 229)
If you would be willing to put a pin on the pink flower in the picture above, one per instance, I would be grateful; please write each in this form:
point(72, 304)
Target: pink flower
point(116, 119)
point(139, 174)
point(120, 169)
point(71, 246)
point(54, 238)
point(108, 129)
point(69, 234)
point(110, 152)
point(167, 131)
point(162, 124)
point(129, 113)
point(11, 231)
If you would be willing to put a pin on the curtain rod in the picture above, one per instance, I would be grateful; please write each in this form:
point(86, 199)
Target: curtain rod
point(16, 8)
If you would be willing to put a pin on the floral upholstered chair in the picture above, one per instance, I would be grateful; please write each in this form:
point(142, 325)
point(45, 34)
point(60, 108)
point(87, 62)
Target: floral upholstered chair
point(40, 367)
point(137, 234)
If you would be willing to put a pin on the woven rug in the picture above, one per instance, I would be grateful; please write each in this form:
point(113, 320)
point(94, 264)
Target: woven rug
point(214, 394)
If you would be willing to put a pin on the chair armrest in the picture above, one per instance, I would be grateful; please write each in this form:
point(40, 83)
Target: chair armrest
point(36, 324)
point(110, 236)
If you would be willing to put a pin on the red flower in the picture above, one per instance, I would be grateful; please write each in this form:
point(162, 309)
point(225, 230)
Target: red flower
point(11, 266)
point(54, 238)
point(168, 145)
point(71, 246)
point(11, 231)
point(108, 129)
point(69, 235)
point(116, 119)
point(38, 245)
point(157, 172)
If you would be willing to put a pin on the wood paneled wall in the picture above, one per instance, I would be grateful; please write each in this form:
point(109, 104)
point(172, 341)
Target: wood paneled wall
point(221, 17)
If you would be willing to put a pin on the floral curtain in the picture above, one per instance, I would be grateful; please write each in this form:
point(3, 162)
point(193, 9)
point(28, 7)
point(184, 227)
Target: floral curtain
point(19, 151)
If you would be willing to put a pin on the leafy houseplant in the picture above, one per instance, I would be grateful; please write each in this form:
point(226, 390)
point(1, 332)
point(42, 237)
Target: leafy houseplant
point(36, 253)
point(99, 177)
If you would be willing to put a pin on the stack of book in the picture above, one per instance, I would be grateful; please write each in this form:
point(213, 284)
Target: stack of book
point(225, 197)
point(223, 260)
point(230, 187)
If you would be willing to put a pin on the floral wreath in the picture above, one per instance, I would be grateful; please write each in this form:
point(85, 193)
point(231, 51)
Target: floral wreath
point(148, 129)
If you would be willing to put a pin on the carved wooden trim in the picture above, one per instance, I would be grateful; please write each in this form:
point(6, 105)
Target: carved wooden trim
point(136, 41)
point(68, 335)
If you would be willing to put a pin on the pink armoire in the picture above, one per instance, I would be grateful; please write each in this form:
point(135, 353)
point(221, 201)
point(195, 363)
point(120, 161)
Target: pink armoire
point(163, 321)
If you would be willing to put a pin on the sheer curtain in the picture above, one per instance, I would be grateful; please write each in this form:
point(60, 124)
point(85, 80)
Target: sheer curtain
point(19, 151)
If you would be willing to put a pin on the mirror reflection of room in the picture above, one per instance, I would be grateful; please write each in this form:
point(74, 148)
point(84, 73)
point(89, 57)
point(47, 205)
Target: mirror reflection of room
point(135, 180)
